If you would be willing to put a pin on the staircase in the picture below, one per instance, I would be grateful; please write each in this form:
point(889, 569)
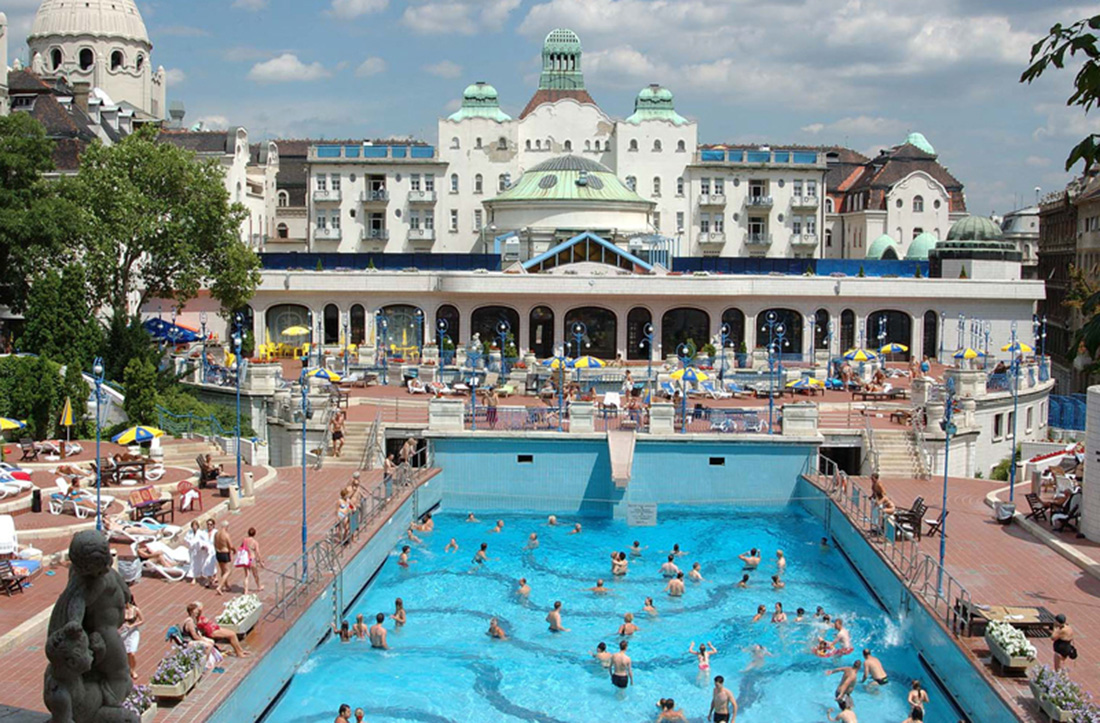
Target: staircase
point(355, 444)
point(183, 453)
point(898, 455)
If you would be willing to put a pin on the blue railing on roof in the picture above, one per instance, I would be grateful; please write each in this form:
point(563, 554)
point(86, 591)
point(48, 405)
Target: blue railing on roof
point(375, 151)
point(799, 267)
point(351, 151)
point(401, 151)
point(1067, 412)
point(329, 151)
point(805, 157)
point(423, 152)
point(736, 156)
point(380, 262)
point(757, 156)
point(713, 155)
point(782, 157)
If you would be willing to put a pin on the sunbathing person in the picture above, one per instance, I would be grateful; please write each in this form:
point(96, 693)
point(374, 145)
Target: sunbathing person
point(123, 457)
point(144, 552)
point(200, 628)
point(72, 472)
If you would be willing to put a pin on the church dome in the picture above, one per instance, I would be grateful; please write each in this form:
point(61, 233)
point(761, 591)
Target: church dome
point(884, 247)
point(922, 244)
point(480, 91)
point(117, 19)
point(976, 229)
point(480, 100)
point(655, 102)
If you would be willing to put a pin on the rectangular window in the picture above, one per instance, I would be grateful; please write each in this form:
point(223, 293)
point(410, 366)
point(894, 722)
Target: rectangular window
point(414, 219)
point(1010, 429)
point(719, 187)
point(429, 182)
point(679, 220)
point(811, 224)
point(717, 461)
point(322, 220)
point(335, 220)
point(525, 459)
point(679, 186)
point(477, 220)
point(796, 188)
point(454, 183)
point(414, 181)
point(811, 188)
point(719, 223)
point(998, 426)
point(454, 219)
point(336, 182)
point(429, 220)
point(704, 222)
point(796, 224)
point(1029, 417)
point(656, 220)
point(704, 186)
point(322, 182)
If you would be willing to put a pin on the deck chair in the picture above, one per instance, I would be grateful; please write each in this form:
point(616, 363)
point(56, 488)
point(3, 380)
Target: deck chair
point(1038, 509)
point(190, 498)
point(1069, 516)
point(612, 400)
point(668, 390)
point(710, 390)
point(8, 541)
point(935, 525)
point(415, 386)
point(171, 574)
point(29, 450)
point(10, 580)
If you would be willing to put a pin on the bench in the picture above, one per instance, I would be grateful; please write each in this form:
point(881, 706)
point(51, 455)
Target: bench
point(144, 503)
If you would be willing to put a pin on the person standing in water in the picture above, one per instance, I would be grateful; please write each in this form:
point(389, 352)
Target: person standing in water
point(554, 618)
point(723, 706)
point(622, 670)
point(399, 616)
point(377, 633)
point(703, 658)
point(675, 586)
point(628, 627)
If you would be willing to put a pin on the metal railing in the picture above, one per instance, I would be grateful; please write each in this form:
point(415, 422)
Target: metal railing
point(190, 425)
point(921, 574)
point(372, 453)
point(705, 420)
point(920, 439)
point(869, 436)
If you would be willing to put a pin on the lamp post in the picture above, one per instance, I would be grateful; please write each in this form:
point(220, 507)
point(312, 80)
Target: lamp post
point(320, 342)
point(647, 336)
point(503, 330)
point(347, 343)
point(561, 360)
point(380, 326)
point(473, 353)
point(1039, 330)
point(812, 318)
point(685, 352)
point(97, 376)
point(441, 327)
point(237, 333)
point(776, 334)
point(1015, 413)
point(962, 331)
point(988, 330)
point(881, 334)
point(949, 429)
point(419, 334)
point(943, 330)
point(304, 384)
point(723, 337)
point(202, 325)
point(579, 331)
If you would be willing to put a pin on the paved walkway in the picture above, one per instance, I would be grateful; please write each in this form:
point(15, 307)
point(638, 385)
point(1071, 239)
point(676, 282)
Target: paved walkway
point(1002, 565)
point(277, 517)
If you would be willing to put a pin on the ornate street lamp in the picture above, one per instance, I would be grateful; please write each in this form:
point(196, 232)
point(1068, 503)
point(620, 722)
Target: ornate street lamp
point(97, 377)
point(237, 366)
point(503, 330)
point(949, 429)
point(202, 325)
point(380, 326)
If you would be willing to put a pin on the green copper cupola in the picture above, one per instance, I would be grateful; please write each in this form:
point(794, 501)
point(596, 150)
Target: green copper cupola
point(561, 61)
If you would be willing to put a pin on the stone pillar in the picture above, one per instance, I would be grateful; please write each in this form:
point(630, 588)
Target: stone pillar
point(662, 418)
point(919, 391)
point(446, 415)
point(1090, 502)
point(968, 382)
point(582, 418)
point(800, 419)
point(262, 378)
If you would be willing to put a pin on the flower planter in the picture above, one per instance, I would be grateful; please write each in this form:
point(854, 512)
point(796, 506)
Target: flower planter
point(244, 626)
point(1008, 662)
point(149, 714)
point(179, 690)
point(1048, 706)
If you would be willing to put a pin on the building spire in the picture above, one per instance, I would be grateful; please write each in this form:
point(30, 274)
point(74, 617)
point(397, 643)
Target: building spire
point(561, 61)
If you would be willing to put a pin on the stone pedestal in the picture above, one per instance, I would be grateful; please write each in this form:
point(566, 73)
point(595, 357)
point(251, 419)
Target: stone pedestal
point(262, 378)
point(662, 418)
point(427, 373)
point(517, 379)
point(431, 353)
point(800, 419)
point(582, 418)
point(968, 382)
point(919, 391)
point(445, 415)
point(1090, 502)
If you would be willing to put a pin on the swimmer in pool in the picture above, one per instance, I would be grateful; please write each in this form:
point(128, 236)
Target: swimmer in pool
point(481, 556)
point(400, 617)
point(847, 680)
point(675, 586)
point(576, 529)
point(599, 589)
point(403, 559)
point(744, 581)
point(618, 563)
point(872, 668)
point(602, 655)
point(495, 631)
point(470, 518)
point(360, 628)
point(636, 549)
point(696, 573)
point(750, 558)
point(628, 627)
point(758, 653)
point(780, 563)
point(761, 611)
point(499, 527)
point(669, 569)
point(722, 703)
point(648, 607)
point(677, 551)
point(532, 541)
point(703, 654)
point(554, 618)
point(777, 584)
point(842, 643)
point(779, 616)
point(413, 538)
point(524, 589)
point(377, 633)
point(799, 615)
point(552, 521)
point(452, 546)
point(622, 670)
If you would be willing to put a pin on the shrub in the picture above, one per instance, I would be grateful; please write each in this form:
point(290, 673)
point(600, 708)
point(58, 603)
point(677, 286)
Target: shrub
point(140, 379)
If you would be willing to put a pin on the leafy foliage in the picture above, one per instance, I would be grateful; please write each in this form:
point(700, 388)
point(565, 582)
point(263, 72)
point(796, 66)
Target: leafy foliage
point(1063, 41)
point(60, 324)
point(31, 391)
point(140, 379)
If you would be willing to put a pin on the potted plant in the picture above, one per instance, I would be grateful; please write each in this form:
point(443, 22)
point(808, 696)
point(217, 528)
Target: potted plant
point(1009, 646)
point(173, 677)
point(142, 703)
point(241, 614)
point(1061, 698)
point(742, 355)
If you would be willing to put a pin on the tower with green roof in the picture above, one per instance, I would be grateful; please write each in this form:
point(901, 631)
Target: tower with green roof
point(655, 103)
point(561, 61)
point(480, 100)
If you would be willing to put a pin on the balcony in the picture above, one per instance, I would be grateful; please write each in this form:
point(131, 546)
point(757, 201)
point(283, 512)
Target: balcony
point(712, 200)
point(712, 237)
point(374, 234)
point(330, 196)
point(810, 202)
point(804, 240)
point(422, 234)
point(326, 234)
point(760, 201)
point(758, 239)
point(424, 198)
point(374, 198)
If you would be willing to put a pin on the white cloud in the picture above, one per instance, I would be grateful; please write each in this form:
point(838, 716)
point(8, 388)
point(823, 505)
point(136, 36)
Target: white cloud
point(1037, 161)
point(444, 69)
point(860, 125)
point(286, 68)
point(246, 53)
point(1064, 123)
point(814, 128)
point(213, 122)
point(175, 76)
point(250, 4)
point(464, 17)
point(355, 8)
point(371, 66)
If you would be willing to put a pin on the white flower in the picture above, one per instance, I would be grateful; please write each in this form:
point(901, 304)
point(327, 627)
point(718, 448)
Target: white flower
point(1011, 640)
point(238, 609)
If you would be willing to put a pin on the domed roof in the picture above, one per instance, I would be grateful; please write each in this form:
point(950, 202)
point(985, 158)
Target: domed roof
point(480, 91)
point(571, 178)
point(562, 39)
point(99, 18)
point(975, 228)
point(883, 246)
point(655, 102)
point(922, 244)
point(480, 100)
point(919, 141)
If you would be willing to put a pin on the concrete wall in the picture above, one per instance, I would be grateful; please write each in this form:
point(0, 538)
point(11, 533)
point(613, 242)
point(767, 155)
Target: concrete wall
point(1090, 507)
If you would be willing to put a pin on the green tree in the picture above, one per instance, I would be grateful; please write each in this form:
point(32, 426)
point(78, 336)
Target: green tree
point(160, 224)
point(140, 380)
point(60, 324)
point(77, 391)
point(30, 391)
point(1063, 41)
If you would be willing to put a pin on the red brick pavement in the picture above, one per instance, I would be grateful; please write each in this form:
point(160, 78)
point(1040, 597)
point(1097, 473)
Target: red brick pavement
point(1006, 565)
point(277, 516)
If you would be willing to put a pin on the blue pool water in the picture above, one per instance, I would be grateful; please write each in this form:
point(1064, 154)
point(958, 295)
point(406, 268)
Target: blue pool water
point(443, 667)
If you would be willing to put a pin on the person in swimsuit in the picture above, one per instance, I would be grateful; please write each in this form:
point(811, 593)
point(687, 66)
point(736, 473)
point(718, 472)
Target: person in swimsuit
point(399, 616)
point(744, 581)
point(495, 631)
point(675, 586)
point(343, 631)
point(618, 563)
point(360, 628)
point(872, 668)
point(403, 558)
point(777, 584)
point(696, 573)
point(636, 549)
point(915, 716)
point(669, 713)
point(470, 518)
point(576, 529)
point(481, 556)
point(676, 551)
point(628, 627)
point(524, 589)
point(602, 655)
point(498, 528)
point(842, 643)
point(703, 655)
point(761, 611)
point(554, 618)
point(622, 670)
point(799, 614)
point(452, 546)
point(532, 541)
point(750, 558)
point(200, 628)
point(552, 521)
point(779, 616)
point(648, 607)
point(223, 553)
point(344, 715)
point(377, 633)
point(130, 632)
point(723, 706)
point(599, 589)
point(847, 681)
point(780, 563)
point(1063, 642)
point(669, 569)
point(846, 714)
point(758, 653)
point(337, 434)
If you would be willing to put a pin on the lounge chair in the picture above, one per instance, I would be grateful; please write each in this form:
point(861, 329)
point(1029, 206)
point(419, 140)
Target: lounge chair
point(177, 554)
point(734, 389)
point(612, 400)
point(935, 525)
point(29, 450)
point(908, 522)
point(668, 390)
point(206, 473)
point(709, 389)
point(19, 481)
point(415, 386)
point(10, 580)
point(82, 503)
point(171, 574)
point(8, 541)
point(54, 448)
point(1038, 509)
point(1069, 515)
point(506, 390)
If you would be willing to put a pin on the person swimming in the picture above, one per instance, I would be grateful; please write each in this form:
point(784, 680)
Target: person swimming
point(618, 563)
point(481, 556)
point(470, 518)
point(495, 631)
point(452, 546)
point(703, 654)
point(777, 584)
point(669, 568)
point(532, 541)
point(524, 589)
point(602, 655)
point(750, 558)
point(779, 616)
point(576, 529)
point(599, 589)
point(744, 581)
point(761, 611)
point(675, 586)
point(648, 607)
point(636, 549)
point(696, 574)
point(403, 559)
point(628, 627)
point(499, 527)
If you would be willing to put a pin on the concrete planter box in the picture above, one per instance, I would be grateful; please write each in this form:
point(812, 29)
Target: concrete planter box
point(243, 627)
point(150, 714)
point(180, 689)
point(1009, 663)
point(1047, 706)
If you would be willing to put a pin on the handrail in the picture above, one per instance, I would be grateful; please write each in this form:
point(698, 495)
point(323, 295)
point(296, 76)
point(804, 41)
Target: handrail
point(372, 451)
point(326, 435)
point(924, 454)
point(872, 450)
point(187, 424)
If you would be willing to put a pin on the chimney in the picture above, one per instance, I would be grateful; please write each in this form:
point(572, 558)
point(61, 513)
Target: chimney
point(80, 95)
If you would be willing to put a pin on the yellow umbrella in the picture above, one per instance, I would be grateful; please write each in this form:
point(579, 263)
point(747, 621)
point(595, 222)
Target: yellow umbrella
point(326, 374)
point(137, 435)
point(295, 331)
point(558, 363)
point(67, 413)
point(968, 353)
point(690, 374)
point(6, 424)
point(860, 355)
point(806, 383)
point(588, 362)
point(1018, 348)
point(893, 348)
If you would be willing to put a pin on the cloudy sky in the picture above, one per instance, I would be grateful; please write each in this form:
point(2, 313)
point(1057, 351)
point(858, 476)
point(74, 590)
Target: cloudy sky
point(862, 73)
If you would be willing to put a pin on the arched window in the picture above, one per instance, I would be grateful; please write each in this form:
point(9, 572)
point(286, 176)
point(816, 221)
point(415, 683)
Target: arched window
point(733, 326)
point(656, 146)
point(284, 199)
point(502, 182)
point(632, 183)
point(538, 144)
point(282, 231)
point(479, 184)
point(540, 330)
point(568, 146)
point(766, 333)
point(502, 144)
point(484, 321)
point(454, 183)
point(116, 60)
point(597, 146)
point(588, 145)
point(87, 59)
point(633, 145)
point(403, 324)
point(600, 328)
point(931, 334)
point(918, 204)
point(684, 326)
point(284, 316)
point(821, 329)
point(890, 327)
point(238, 192)
point(450, 336)
point(358, 325)
point(528, 144)
point(656, 185)
point(829, 207)
point(56, 58)
point(332, 324)
point(477, 143)
point(637, 345)
point(681, 147)
point(140, 63)
point(680, 186)
point(455, 144)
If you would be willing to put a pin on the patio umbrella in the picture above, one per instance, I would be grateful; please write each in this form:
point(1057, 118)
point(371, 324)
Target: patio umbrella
point(558, 363)
point(295, 331)
point(6, 424)
point(1018, 348)
point(968, 353)
point(806, 383)
point(860, 355)
point(137, 435)
point(588, 362)
point(893, 348)
point(327, 375)
point(67, 416)
point(689, 374)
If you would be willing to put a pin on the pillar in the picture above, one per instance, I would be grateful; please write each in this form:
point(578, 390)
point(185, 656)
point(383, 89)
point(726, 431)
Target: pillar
point(1090, 501)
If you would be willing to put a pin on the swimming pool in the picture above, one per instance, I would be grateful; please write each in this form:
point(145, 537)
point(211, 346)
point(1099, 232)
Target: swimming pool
point(443, 667)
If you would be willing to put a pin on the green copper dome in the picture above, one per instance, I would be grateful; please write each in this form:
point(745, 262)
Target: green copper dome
point(883, 247)
point(922, 244)
point(919, 141)
point(561, 61)
point(480, 100)
point(655, 103)
point(570, 178)
point(975, 229)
